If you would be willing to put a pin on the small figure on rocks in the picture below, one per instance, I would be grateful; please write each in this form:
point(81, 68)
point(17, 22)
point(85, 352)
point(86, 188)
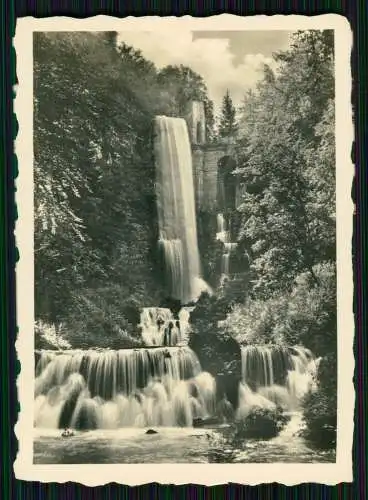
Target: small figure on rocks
point(67, 433)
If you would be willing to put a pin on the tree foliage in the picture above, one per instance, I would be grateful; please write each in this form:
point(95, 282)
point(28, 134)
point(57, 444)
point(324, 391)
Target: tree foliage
point(260, 423)
point(286, 162)
point(320, 407)
point(185, 85)
point(306, 315)
point(227, 126)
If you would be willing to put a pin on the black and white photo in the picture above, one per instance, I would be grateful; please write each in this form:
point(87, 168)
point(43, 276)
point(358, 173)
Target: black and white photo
point(187, 215)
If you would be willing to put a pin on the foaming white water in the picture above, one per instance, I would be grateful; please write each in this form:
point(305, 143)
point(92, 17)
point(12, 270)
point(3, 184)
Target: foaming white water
point(222, 232)
point(292, 428)
point(221, 228)
point(200, 286)
point(176, 207)
point(223, 235)
point(225, 264)
point(273, 375)
point(159, 327)
point(113, 389)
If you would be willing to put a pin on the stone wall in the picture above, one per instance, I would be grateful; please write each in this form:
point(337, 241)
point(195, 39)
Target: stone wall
point(240, 192)
point(206, 160)
point(196, 121)
point(205, 157)
point(210, 169)
point(198, 168)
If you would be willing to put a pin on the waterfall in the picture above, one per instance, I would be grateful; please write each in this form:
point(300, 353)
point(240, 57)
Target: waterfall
point(176, 209)
point(223, 235)
point(274, 375)
point(222, 232)
point(160, 328)
point(130, 387)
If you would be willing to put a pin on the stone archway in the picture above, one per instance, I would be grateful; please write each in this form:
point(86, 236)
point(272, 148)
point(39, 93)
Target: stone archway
point(226, 183)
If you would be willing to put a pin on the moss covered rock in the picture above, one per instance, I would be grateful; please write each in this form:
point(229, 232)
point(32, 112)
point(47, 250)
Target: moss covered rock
point(261, 423)
point(218, 352)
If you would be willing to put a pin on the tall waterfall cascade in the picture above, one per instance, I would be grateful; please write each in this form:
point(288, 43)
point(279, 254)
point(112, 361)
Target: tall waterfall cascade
point(163, 384)
point(273, 375)
point(223, 235)
point(176, 209)
point(131, 387)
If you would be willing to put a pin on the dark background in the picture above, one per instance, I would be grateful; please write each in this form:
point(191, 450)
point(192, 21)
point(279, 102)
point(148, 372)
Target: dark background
point(356, 12)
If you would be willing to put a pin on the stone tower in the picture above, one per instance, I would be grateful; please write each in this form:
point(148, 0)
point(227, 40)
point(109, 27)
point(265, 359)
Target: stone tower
point(196, 121)
point(206, 157)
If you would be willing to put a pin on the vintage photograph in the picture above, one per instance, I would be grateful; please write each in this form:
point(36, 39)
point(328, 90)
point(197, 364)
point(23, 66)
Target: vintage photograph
point(185, 269)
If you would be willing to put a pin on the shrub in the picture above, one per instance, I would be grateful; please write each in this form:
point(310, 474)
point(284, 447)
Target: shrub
point(261, 423)
point(257, 322)
point(208, 335)
point(320, 407)
point(320, 419)
point(105, 317)
point(49, 337)
point(305, 316)
point(218, 352)
point(311, 313)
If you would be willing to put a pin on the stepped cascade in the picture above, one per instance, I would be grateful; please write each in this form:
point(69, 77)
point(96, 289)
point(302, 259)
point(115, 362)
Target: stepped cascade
point(160, 328)
point(176, 209)
point(223, 235)
point(130, 387)
point(275, 375)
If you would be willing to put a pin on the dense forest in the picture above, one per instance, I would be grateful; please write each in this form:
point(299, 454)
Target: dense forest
point(95, 227)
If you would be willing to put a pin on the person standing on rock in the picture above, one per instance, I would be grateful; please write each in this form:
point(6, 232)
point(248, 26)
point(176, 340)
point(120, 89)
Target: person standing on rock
point(168, 334)
point(179, 337)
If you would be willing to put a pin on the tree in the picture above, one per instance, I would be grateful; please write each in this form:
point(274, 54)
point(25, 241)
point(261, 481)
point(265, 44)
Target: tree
point(92, 147)
point(286, 162)
point(111, 38)
point(210, 119)
point(185, 85)
point(228, 125)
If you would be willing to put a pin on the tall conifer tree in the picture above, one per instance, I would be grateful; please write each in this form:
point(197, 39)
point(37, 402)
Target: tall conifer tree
point(228, 125)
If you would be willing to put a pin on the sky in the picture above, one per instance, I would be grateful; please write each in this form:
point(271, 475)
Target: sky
point(225, 59)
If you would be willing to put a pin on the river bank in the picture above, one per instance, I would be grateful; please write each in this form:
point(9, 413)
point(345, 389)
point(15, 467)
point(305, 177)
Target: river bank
point(171, 445)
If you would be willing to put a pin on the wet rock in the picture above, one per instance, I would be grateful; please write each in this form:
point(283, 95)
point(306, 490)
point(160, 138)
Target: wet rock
point(227, 385)
point(202, 422)
point(151, 431)
point(87, 416)
point(218, 352)
point(198, 422)
point(131, 310)
point(172, 304)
